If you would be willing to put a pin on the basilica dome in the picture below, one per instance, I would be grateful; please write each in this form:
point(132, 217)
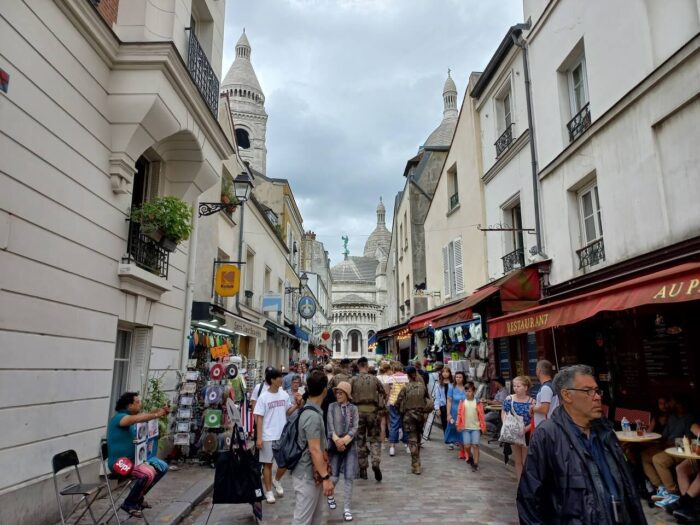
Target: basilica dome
point(380, 237)
point(442, 135)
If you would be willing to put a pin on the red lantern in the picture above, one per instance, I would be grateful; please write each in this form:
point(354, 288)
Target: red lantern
point(325, 336)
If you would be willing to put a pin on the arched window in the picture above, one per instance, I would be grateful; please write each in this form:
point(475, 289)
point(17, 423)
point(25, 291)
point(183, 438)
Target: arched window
point(337, 337)
point(355, 341)
point(242, 138)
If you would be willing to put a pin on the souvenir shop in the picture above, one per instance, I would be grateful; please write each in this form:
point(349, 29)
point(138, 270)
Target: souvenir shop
point(394, 343)
point(637, 334)
point(213, 392)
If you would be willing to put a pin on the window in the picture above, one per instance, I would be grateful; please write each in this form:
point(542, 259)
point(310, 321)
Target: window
point(504, 111)
point(337, 338)
point(131, 361)
point(250, 270)
point(267, 283)
point(122, 357)
point(355, 341)
point(242, 138)
point(452, 187)
point(591, 220)
point(405, 231)
point(578, 86)
point(453, 270)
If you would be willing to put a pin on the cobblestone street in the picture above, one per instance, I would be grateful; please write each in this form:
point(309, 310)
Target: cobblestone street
point(447, 492)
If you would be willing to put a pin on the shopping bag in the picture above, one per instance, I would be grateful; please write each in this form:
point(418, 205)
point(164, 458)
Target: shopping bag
point(237, 478)
point(513, 429)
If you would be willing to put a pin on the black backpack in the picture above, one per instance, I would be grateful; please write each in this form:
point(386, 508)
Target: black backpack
point(287, 451)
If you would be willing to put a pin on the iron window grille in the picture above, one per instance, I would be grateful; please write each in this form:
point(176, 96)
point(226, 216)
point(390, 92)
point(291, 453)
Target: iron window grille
point(580, 123)
point(202, 74)
point(513, 260)
point(505, 140)
point(591, 254)
point(146, 253)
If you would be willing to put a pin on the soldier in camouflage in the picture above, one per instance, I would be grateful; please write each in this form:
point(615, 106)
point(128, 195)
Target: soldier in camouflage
point(370, 397)
point(413, 402)
point(343, 375)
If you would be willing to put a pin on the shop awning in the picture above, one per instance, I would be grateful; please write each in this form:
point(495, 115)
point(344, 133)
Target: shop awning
point(420, 321)
point(673, 285)
point(518, 290)
point(392, 331)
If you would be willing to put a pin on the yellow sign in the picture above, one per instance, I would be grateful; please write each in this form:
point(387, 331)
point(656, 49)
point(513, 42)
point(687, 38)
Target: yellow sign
point(228, 280)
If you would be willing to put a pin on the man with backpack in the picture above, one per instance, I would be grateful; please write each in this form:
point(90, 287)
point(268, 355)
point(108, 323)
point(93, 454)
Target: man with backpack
point(547, 401)
point(312, 475)
point(370, 397)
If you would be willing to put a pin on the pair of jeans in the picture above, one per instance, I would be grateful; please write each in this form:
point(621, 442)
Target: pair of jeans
point(396, 424)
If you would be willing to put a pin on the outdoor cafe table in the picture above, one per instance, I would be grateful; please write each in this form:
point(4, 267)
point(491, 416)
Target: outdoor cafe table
point(632, 437)
point(677, 454)
point(493, 408)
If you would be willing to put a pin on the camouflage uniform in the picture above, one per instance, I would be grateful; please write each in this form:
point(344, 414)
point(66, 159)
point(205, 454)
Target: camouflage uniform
point(412, 403)
point(369, 396)
point(337, 378)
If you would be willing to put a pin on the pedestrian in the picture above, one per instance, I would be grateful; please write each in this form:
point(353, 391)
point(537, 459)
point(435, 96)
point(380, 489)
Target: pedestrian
point(398, 381)
point(343, 375)
point(258, 389)
point(312, 475)
point(121, 431)
point(368, 394)
point(271, 413)
point(471, 423)
point(546, 400)
point(328, 369)
point(385, 373)
point(412, 403)
point(341, 428)
point(422, 373)
point(493, 418)
point(434, 376)
point(520, 403)
point(576, 471)
point(296, 389)
point(456, 393)
point(441, 387)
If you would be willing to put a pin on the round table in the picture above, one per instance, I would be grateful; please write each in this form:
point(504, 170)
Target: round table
point(493, 408)
point(632, 437)
point(675, 453)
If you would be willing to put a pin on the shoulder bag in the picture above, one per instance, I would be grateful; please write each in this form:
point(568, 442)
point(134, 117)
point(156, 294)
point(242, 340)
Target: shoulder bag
point(513, 429)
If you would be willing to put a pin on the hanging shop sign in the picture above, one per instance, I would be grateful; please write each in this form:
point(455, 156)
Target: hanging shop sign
point(228, 280)
point(325, 336)
point(217, 352)
point(307, 307)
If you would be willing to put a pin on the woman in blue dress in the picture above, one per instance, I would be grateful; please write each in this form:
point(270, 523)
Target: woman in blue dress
point(455, 394)
point(522, 404)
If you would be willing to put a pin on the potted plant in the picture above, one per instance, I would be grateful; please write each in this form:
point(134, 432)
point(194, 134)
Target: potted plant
point(228, 196)
point(167, 220)
point(154, 399)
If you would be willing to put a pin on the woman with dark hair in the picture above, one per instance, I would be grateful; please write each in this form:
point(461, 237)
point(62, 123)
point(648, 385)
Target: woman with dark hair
point(440, 397)
point(455, 393)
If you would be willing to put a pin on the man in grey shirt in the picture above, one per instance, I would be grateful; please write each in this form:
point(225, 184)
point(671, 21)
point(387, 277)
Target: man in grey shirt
point(547, 401)
point(311, 475)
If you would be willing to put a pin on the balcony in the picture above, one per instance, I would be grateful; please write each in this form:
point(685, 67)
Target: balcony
point(591, 254)
point(504, 140)
point(580, 123)
point(146, 253)
point(454, 200)
point(202, 74)
point(513, 260)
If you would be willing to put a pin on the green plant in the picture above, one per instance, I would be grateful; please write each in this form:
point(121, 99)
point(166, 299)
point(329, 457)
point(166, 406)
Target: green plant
point(171, 215)
point(156, 398)
point(279, 230)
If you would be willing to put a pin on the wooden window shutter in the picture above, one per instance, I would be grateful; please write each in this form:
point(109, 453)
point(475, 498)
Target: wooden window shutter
point(446, 270)
point(140, 360)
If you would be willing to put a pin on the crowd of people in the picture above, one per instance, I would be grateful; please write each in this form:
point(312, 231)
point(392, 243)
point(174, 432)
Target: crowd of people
point(570, 465)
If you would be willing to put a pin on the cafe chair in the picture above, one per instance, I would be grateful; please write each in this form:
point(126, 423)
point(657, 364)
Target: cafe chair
point(88, 492)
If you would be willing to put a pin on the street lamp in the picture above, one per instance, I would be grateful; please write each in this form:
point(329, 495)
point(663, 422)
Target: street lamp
point(303, 280)
point(241, 188)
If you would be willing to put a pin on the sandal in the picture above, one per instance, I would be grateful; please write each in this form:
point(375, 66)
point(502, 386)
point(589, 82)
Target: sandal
point(134, 512)
point(331, 503)
point(347, 515)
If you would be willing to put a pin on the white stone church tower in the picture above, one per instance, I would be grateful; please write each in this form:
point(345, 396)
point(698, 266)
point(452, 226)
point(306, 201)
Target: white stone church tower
point(247, 107)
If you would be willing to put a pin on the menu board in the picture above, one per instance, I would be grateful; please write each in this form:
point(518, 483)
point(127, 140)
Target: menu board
point(504, 357)
point(531, 354)
point(665, 353)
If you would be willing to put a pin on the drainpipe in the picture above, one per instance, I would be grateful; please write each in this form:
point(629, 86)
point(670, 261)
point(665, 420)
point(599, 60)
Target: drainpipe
point(518, 40)
point(189, 290)
point(240, 256)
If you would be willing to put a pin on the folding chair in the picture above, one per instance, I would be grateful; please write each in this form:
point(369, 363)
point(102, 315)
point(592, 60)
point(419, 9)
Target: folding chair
point(88, 492)
point(109, 475)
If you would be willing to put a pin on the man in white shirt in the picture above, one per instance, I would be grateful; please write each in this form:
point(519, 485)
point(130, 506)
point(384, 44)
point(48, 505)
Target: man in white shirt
point(547, 401)
point(271, 411)
point(259, 389)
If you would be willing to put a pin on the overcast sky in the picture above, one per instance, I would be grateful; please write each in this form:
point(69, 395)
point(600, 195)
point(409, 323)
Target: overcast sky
point(353, 88)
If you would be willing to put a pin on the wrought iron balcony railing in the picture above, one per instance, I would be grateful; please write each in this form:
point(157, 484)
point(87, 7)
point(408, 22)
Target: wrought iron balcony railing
point(202, 74)
point(591, 254)
point(513, 260)
point(504, 140)
point(454, 200)
point(145, 252)
point(580, 123)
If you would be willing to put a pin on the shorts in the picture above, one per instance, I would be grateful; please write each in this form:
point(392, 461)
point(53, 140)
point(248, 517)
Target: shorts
point(471, 437)
point(266, 452)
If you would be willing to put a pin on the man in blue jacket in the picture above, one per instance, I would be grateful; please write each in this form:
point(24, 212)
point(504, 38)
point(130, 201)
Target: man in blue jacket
point(575, 470)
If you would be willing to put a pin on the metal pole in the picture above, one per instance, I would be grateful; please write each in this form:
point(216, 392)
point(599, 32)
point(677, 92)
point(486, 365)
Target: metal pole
point(240, 255)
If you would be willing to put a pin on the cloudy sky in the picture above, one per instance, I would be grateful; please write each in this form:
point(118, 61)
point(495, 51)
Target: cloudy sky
point(353, 88)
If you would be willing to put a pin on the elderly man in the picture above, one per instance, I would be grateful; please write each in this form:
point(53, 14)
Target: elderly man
point(575, 470)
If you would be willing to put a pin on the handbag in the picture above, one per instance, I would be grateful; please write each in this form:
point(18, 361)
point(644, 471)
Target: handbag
point(237, 476)
point(513, 429)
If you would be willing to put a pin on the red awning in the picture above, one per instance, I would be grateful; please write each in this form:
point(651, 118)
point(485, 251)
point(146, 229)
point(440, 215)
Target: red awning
point(462, 311)
point(673, 285)
point(420, 321)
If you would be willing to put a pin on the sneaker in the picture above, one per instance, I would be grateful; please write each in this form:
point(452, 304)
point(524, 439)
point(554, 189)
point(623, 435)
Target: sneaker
point(279, 491)
point(451, 446)
point(661, 493)
point(668, 500)
point(408, 449)
point(392, 451)
point(270, 497)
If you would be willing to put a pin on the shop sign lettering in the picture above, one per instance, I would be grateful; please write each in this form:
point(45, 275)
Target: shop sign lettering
point(669, 291)
point(527, 324)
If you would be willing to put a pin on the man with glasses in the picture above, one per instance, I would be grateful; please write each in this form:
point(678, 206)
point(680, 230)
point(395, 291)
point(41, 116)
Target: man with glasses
point(575, 470)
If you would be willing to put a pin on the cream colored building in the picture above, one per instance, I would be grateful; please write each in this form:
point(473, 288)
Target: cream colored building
point(98, 116)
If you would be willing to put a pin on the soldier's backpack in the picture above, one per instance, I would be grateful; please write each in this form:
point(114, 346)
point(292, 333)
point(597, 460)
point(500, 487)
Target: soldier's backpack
point(287, 451)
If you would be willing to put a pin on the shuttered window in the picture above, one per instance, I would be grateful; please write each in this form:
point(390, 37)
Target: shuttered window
point(446, 271)
point(140, 357)
point(453, 268)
